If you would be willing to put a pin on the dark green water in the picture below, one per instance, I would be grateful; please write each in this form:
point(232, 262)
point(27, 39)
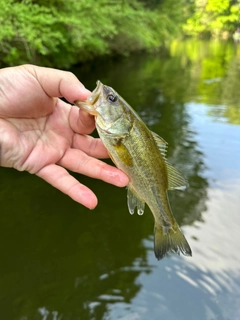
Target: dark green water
point(60, 261)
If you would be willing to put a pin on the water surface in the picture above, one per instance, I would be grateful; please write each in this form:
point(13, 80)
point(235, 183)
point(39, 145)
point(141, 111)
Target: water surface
point(62, 261)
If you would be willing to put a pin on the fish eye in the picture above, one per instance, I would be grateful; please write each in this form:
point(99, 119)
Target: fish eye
point(112, 98)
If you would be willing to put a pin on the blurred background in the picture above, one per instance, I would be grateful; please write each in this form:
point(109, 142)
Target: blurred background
point(178, 65)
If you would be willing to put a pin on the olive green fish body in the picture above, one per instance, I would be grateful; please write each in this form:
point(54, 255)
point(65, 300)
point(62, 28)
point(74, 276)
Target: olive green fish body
point(139, 157)
point(139, 153)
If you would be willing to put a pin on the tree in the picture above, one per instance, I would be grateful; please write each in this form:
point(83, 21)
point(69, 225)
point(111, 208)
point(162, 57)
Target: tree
point(61, 33)
point(217, 18)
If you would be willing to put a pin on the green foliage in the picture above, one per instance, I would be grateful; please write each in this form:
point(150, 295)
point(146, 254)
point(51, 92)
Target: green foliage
point(217, 18)
point(62, 33)
point(22, 27)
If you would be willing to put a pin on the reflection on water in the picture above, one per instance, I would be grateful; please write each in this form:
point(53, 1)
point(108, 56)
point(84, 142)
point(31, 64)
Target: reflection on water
point(61, 261)
point(214, 73)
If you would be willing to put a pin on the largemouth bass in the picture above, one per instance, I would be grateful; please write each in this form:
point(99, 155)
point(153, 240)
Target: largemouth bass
point(141, 154)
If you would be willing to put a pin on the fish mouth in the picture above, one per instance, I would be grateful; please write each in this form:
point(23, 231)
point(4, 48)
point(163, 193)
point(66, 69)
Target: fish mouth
point(89, 104)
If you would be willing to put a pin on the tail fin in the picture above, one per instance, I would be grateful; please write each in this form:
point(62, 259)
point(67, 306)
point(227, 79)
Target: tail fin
point(172, 240)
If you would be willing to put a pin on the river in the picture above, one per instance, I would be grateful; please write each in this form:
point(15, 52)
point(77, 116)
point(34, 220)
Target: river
point(60, 261)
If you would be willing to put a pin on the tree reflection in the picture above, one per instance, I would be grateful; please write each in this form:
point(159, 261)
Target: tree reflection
point(215, 76)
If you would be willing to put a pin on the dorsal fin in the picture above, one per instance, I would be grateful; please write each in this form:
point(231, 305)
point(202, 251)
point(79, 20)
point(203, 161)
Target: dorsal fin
point(161, 143)
point(175, 179)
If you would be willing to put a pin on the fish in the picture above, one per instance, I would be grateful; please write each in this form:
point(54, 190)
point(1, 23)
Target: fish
point(141, 155)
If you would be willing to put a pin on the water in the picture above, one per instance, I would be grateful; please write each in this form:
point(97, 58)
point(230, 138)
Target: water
point(62, 261)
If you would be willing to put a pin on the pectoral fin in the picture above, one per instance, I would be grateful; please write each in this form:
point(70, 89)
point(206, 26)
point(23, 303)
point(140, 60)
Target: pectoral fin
point(175, 179)
point(134, 201)
point(123, 153)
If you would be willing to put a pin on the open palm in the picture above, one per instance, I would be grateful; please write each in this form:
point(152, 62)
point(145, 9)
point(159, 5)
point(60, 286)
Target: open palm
point(43, 135)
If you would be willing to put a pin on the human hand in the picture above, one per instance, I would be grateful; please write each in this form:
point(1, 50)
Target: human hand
point(42, 134)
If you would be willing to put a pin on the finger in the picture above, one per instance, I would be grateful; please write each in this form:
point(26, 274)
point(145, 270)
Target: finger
point(59, 178)
point(86, 122)
point(78, 161)
point(59, 83)
point(80, 121)
point(91, 146)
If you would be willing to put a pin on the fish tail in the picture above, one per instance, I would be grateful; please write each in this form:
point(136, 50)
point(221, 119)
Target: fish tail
point(170, 240)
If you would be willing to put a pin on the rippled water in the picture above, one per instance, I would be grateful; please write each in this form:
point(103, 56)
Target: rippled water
point(62, 261)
